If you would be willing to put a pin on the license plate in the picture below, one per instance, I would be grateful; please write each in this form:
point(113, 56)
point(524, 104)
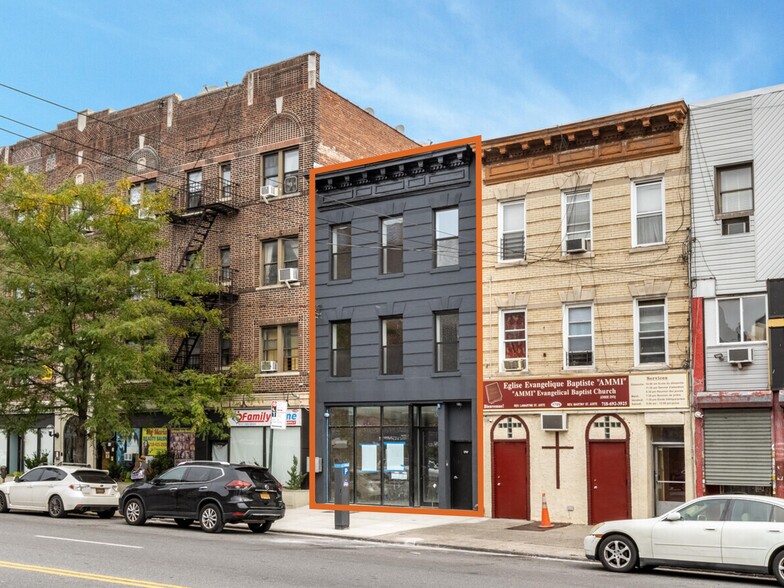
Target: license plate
point(100, 490)
point(265, 495)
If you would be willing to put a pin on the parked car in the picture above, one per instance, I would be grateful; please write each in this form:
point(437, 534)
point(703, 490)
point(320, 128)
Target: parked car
point(60, 489)
point(212, 492)
point(726, 532)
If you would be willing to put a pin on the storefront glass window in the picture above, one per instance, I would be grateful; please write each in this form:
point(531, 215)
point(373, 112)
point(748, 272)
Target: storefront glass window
point(246, 445)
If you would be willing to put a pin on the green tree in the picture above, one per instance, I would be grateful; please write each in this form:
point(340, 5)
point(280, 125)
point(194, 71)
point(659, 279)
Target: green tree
point(88, 316)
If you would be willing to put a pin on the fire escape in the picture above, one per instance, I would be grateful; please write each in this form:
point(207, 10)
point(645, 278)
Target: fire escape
point(198, 204)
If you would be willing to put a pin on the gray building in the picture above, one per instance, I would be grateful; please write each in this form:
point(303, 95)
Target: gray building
point(737, 180)
point(396, 277)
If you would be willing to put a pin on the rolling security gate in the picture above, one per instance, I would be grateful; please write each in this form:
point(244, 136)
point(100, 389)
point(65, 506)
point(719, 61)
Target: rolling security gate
point(738, 447)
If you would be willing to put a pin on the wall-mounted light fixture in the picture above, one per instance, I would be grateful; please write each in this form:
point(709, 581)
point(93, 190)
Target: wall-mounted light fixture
point(719, 356)
point(51, 431)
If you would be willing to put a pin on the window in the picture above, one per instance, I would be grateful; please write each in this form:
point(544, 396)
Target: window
point(705, 510)
point(341, 349)
point(341, 252)
point(651, 336)
point(446, 341)
point(576, 217)
point(742, 319)
point(579, 336)
point(225, 186)
point(392, 245)
point(225, 266)
point(135, 197)
point(392, 345)
point(446, 250)
point(285, 356)
point(225, 349)
point(511, 232)
point(281, 170)
point(735, 196)
point(648, 212)
point(275, 251)
point(194, 188)
point(194, 359)
point(513, 342)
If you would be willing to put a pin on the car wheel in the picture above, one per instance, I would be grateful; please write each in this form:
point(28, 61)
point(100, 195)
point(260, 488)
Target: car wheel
point(106, 514)
point(617, 553)
point(777, 567)
point(56, 508)
point(211, 519)
point(134, 512)
point(183, 522)
point(3, 503)
point(260, 527)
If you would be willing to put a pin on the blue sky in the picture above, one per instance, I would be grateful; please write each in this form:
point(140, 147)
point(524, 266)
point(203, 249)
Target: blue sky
point(445, 69)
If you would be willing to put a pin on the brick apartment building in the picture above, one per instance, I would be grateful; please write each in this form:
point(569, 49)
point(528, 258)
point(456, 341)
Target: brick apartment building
point(237, 159)
point(586, 307)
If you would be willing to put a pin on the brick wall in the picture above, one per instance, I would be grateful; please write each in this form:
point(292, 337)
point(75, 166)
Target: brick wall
point(274, 107)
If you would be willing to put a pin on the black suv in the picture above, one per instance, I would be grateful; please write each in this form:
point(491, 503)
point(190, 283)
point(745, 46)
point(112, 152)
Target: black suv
point(214, 492)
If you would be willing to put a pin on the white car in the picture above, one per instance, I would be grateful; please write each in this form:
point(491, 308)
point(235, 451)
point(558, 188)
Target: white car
point(61, 489)
point(731, 532)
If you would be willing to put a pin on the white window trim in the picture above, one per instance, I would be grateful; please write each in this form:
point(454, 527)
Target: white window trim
point(718, 326)
point(564, 196)
point(500, 244)
point(502, 336)
point(565, 330)
point(635, 183)
point(637, 362)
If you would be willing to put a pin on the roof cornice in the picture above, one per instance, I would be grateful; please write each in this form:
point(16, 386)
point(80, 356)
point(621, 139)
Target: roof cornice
point(635, 134)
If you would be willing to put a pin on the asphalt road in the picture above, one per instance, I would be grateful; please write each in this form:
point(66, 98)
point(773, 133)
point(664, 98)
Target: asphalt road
point(36, 551)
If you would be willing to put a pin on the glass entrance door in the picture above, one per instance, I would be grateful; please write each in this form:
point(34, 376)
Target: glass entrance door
point(669, 465)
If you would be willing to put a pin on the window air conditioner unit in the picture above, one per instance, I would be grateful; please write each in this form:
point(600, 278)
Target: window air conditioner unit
point(516, 364)
point(739, 355)
point(576, 245)
point(268, 192)
point(554, 421)
point(288, 274)
point(269, 366)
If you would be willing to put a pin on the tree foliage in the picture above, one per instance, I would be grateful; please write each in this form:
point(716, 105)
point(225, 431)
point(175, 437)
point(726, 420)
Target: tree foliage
point(88, 315)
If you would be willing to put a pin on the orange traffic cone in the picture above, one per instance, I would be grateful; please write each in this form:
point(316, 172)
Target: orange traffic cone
point(545, 524)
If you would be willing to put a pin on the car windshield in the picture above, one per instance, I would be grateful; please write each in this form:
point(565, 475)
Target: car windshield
point(92, 477)
point(258, 476)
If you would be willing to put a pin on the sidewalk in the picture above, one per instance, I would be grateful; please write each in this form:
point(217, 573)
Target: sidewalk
point(473, 533)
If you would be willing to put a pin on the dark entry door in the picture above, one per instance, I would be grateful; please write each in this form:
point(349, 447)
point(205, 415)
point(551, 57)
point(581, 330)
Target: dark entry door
point(609, 482)
point(510, 480)
point(460, 469)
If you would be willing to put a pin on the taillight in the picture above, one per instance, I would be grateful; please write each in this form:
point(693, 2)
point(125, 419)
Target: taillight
point(79, 487)
point(238, 485)
point(280, 487)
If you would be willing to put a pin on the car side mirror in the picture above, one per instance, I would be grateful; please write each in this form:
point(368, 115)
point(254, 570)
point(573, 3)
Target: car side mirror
point(673, 516)
point(16, 478)
point(156, 482)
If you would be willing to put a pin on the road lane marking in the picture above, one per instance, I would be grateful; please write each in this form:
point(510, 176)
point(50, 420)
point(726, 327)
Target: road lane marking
point(85, 575)
point(93, 542)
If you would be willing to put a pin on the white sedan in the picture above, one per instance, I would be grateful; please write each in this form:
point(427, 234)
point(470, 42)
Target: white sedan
point(730, 532)
point(61, 489)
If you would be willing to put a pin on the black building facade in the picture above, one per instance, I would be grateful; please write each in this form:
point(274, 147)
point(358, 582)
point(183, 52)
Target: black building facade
point(395, 303)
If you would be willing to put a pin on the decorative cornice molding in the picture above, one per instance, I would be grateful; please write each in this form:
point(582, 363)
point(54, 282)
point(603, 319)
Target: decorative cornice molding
point(650, 288)
point(621, 137)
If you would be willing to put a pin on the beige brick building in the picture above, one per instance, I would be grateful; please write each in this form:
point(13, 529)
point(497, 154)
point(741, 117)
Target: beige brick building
point(237, 160)
point(586, 318)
